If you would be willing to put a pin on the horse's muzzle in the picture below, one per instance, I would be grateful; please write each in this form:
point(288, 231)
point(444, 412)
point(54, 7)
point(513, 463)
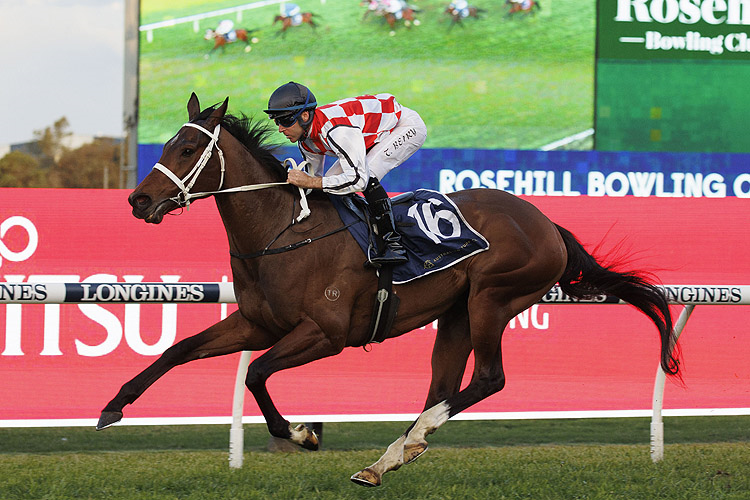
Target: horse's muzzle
point(144, 207)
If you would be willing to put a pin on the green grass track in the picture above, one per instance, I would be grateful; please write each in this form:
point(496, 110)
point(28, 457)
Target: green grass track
point(705, 458)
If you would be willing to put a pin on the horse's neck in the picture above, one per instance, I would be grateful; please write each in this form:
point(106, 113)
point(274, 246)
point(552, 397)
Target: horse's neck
point(252, 218)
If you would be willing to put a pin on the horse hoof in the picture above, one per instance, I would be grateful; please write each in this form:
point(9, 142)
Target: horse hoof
point(413, 452)
point(366, 477)
point(311, 441)
point(108, 418)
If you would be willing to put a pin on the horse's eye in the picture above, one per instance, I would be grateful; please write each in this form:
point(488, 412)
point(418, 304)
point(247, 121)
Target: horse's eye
point(187, 152)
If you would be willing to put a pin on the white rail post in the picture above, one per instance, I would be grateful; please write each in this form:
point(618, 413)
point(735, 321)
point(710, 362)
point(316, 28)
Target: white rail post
point(236, 432)
point(657, 424)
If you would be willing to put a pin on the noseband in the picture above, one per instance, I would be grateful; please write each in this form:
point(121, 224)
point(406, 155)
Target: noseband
point(184, 196)
point(186, 183)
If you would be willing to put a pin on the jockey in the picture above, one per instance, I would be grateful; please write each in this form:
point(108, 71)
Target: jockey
point(226, 30)
point(292, 11)
point(395, 7)
point(459, 8)
point(373, 5)
point(369, 135)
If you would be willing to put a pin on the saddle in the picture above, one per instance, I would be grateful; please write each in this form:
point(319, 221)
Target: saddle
point(433, 232)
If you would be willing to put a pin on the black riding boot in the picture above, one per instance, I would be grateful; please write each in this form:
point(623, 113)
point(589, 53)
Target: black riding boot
point(380, 209)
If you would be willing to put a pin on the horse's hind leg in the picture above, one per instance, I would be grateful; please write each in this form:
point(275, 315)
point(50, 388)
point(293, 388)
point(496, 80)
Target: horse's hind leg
point(230, 335)
point(449, 356)
point(246, 41)
point(490, 310)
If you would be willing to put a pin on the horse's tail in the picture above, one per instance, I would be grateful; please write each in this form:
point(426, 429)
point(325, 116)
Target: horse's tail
point(585, 277)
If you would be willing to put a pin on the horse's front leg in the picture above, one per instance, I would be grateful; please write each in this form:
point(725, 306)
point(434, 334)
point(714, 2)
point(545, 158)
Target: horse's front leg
point(210, 52)
point(305, 343)
point(233, 334)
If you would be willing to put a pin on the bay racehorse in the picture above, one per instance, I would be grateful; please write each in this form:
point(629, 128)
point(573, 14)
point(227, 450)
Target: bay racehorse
point(408, 15)
point(222, 40)
point(524, 7)
point(282, 304)
point(391, 16)
point(288, 21)
point(458, 15)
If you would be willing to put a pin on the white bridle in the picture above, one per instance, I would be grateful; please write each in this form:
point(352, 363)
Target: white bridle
point(186, 183)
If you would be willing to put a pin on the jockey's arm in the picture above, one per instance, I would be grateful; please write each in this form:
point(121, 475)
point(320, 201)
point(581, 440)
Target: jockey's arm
point(352, 173)
point(313, 178)
point(305, 181)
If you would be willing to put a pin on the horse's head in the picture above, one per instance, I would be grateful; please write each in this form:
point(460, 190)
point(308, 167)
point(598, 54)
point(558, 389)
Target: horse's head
point(210, 34)
point(186, 164)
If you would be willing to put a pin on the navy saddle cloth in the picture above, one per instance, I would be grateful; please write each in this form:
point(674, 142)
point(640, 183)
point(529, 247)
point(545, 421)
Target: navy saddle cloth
point(433, 231)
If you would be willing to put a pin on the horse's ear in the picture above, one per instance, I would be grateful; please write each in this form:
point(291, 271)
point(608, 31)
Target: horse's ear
point(193, 107)
point(218, 114)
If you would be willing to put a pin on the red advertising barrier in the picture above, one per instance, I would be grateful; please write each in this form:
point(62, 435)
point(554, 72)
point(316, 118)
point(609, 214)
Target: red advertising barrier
point(67, 361)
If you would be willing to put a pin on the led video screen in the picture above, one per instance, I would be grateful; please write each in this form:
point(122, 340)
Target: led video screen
point(500, 80)
point(547, 89)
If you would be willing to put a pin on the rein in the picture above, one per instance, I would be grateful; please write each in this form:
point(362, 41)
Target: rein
point(186, 184)
point(289, 247)
point(184, 196)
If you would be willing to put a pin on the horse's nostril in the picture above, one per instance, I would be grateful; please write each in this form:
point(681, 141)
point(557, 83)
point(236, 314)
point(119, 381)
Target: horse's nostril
point(139, 200)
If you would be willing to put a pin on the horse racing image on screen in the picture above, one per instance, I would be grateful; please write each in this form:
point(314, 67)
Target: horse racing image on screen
point(505, 76)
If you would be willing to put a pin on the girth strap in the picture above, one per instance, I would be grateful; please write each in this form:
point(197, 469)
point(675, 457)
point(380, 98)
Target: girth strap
point(386, 307)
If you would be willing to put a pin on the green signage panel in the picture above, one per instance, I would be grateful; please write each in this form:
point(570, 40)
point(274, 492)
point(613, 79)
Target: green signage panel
point(674, 29)
point(672, 75)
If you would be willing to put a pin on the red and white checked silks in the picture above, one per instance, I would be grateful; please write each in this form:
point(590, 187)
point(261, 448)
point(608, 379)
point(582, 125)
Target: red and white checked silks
point(369, 135)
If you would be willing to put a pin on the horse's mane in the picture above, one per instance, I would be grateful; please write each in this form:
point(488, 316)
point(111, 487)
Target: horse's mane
point(254, 135)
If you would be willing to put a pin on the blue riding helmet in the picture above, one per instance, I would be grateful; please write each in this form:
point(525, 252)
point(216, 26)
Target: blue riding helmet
point(287, 103)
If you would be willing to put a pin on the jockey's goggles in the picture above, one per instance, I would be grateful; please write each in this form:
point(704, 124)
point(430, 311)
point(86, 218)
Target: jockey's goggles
point(286, 121)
